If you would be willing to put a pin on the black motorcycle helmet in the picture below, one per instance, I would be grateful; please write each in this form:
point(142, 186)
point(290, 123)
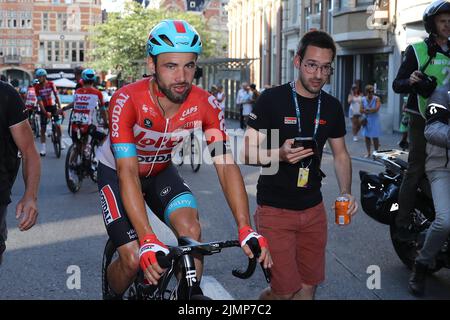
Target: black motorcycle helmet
point(435, 8)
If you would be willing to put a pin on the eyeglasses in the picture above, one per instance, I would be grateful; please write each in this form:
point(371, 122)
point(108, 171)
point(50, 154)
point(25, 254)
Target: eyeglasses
point(312, 67)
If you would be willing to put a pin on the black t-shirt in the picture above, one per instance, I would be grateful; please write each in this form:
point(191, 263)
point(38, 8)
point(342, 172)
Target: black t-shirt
point(12, 111)
point(275, 109)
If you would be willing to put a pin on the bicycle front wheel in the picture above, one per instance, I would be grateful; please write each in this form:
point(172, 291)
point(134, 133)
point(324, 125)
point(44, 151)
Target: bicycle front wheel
point(56, 139)
point(177, 155)
point(37, 126)
point(196, 153)
point(73, 180)
point(93, 169)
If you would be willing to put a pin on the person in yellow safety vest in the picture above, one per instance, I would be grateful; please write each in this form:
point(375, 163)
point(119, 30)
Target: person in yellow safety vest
point(425, 66)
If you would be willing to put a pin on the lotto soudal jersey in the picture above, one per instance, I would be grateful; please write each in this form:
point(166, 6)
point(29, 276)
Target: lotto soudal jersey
point(46, 93)
point(30, 101)
point(137, 127)
point(85, 102)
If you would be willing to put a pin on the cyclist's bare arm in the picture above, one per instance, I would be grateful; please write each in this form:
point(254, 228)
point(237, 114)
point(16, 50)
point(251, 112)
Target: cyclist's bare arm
point(41, 106)
point(55, 92)
point(69, 106)
point(58, 103)
point(234, 189)
point(233, 186)
point(251, 153)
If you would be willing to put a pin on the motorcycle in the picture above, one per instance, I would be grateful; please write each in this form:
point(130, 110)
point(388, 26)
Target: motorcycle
point(379, 200)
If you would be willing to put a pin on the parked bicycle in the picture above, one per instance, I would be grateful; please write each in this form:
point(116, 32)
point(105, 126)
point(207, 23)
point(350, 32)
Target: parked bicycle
point(193, 146)
point(179, 261)
point(81, 161)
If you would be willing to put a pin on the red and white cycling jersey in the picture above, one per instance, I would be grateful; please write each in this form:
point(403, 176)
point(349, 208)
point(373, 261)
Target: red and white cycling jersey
point(31, 100)
point(84, 104)
point(46, 93)
point(138, 128)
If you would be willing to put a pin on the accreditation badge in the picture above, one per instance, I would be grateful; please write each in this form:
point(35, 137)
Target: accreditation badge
point(303, 175)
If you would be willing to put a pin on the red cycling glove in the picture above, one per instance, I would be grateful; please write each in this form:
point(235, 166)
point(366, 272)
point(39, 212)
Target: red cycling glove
point(150, 245)
point(246, 233)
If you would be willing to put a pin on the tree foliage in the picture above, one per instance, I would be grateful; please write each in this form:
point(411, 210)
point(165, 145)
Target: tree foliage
point(119, 44)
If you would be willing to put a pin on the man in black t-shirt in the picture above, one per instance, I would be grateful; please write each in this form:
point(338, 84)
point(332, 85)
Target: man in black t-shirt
point(15, 135)
point(290, 212)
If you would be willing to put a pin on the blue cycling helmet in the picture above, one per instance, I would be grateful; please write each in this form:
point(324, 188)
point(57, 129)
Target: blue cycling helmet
point(88, 75)
point(35, 81)
point(173, 36)
point(23, 90)
point(40, 73)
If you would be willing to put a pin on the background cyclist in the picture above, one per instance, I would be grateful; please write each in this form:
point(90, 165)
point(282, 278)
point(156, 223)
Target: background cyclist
point(87, 101)
point(47, 96)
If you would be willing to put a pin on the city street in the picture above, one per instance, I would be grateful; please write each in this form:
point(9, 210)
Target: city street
point(379, 64)
point(70, 234)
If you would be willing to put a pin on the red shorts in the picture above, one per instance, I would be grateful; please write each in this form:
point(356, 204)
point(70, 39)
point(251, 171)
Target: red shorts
point(297, 241)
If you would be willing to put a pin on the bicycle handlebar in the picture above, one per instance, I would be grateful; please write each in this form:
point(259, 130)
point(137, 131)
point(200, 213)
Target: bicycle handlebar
point(209, 248)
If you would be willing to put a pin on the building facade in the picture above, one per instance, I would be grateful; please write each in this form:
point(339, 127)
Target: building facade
point(269, 32)
point(300, 17)
point(49, 34)
point(371, 38)
point(255, 33)
point(213, 11)
point(370, 35)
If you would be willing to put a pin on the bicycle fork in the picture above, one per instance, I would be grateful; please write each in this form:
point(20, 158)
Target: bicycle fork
point(186, 288)
point(191, 273)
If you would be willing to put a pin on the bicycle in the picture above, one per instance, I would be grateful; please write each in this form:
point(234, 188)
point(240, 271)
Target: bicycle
point(56, 138)
point(82, 162)
point(33, 119)
point(195, 152)
point(179, 260)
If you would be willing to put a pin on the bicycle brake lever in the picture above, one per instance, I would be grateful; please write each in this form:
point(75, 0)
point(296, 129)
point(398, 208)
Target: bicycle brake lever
point(267, 273)
point(165, 261)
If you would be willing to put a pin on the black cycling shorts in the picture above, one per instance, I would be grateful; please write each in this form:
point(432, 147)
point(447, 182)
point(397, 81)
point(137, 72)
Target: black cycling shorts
point(52, 109)
point(163, 193)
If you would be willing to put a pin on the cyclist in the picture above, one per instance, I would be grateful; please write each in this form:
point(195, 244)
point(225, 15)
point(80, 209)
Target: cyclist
point(30, 99)
point(31, 102)
point(44, 91)
point(23, 93)
point(86, 100)
point(147, 119)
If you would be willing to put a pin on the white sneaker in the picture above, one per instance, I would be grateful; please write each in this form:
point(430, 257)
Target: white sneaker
point(43, 150)
point(63, 146)
point(355, 138)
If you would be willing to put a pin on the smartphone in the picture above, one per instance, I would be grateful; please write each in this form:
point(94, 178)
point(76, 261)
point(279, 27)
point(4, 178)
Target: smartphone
point(305, 142)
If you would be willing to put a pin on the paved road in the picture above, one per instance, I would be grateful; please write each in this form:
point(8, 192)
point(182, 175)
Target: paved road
point(70, 232)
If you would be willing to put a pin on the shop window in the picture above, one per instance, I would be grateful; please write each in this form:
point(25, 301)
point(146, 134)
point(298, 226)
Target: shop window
point(375, 72)
point(364, 3)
